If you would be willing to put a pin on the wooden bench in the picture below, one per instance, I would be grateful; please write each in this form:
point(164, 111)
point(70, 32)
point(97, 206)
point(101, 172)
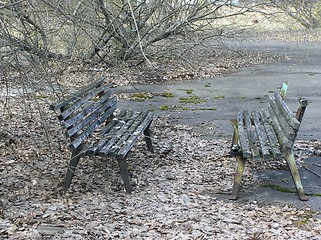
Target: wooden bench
point(96, 128)
point(267, 134)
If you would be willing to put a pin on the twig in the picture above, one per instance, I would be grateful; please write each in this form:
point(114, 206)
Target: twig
point(137, 30)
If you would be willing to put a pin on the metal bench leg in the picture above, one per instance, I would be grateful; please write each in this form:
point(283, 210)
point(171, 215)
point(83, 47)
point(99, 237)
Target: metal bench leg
point(148, 139)
point(288, 155)
point(71, 168)
point(124, 173)
point(238, 176)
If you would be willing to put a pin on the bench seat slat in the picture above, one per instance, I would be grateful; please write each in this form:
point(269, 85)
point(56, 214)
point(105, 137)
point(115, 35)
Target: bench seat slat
point(262, 137)
point(124, 133)
point(147, 119)
point(116, 135)
point(108, 129)
point(271, 136)
point(243, 140)
point(252, 137)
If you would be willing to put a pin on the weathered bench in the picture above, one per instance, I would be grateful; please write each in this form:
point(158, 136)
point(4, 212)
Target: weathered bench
point(96, 128)
point(267, 134)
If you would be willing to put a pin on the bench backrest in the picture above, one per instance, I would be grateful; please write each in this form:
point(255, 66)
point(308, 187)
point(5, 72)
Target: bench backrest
point(85, 110)
point(285, 124)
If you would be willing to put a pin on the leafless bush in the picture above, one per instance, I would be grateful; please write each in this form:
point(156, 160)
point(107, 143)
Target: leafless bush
point(307, 13)
point(103, 30)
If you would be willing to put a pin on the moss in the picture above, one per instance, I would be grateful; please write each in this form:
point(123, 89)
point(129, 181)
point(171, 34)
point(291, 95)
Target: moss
point(218, 97)
point(140, 97)
point(207, 85)
point(284, 189)
point(278, 188)
point(164, 108)
point(188, 91)
point(192, 99)
point(168, 94)
point(168, 108)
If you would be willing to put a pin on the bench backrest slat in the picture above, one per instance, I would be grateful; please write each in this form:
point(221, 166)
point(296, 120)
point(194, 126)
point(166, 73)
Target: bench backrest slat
point(88, 108)
point(100, 109)
point(79, 94)
point(289, 116)
point(79, 104)
point(283, 121)
point(85, 110)
point(276, 111)
point(91, 128)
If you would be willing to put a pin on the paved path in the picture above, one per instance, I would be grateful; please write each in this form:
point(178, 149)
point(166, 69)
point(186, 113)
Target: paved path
point(246, 89)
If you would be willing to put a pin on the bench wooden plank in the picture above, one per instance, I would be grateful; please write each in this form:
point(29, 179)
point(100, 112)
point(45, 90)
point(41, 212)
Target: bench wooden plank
point(286, 128)
point(290, 118)
point(283, 140)
point(78, 117)
point(106, 109)
point(275, 148)
point(80, 103)
point(252, 137)
point(263, 139)
point(124, 133)
point(116, 134)
point(63, 102)
point(243, 140)
point(146, 120)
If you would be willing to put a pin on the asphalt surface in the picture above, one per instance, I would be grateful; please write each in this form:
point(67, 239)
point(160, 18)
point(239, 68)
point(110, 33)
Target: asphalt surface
point(246, 89)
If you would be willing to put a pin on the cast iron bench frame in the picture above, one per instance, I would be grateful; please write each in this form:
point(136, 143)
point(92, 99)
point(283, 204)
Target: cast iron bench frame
point(96, 128)
point(267, 135)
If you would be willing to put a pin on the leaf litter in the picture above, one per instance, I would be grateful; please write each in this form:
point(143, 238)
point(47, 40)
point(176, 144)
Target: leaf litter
point(175, 194)
point(180, 191)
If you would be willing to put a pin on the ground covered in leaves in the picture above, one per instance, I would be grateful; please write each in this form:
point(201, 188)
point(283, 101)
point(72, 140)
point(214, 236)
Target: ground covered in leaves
point(177, 190)
point(180, 191)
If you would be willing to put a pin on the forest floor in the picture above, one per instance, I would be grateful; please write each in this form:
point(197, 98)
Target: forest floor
point(180, 191)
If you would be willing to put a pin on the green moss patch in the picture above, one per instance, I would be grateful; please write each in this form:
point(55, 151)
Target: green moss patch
point(218, 97)
point(140, 97)
point(188, 91)
point(191, 99)
point(278, 188)
point(167, 94)
point(172, 108)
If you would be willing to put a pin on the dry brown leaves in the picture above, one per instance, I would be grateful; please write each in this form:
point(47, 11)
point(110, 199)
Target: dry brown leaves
point(180, 192)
